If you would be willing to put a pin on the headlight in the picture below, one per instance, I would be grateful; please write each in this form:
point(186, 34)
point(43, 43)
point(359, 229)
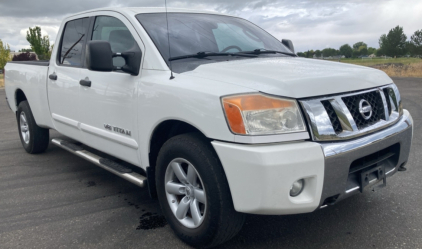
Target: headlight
point(258, 114)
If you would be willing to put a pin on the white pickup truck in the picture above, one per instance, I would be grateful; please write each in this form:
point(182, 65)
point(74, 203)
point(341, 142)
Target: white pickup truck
point(213, 114)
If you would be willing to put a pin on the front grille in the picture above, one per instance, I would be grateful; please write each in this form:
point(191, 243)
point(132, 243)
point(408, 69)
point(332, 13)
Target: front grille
point(374, 99)
point(337, 117)
point(333, 116)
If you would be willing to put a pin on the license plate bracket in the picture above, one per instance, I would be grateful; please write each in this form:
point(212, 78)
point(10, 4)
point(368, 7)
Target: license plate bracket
point(378, 171)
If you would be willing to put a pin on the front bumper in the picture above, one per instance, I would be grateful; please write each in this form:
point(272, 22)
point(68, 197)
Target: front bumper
point(260, 176)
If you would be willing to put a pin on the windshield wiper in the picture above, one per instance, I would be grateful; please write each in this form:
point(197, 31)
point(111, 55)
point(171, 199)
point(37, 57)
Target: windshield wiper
point(264, 51)
point(201, 55)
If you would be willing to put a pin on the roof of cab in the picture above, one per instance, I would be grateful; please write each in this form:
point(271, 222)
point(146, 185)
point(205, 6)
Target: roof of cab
point(139, 10)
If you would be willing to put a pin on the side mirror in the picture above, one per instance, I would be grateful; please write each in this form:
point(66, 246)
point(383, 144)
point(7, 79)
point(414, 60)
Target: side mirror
point(133, 61)
point(99, 56)
point(288, 44)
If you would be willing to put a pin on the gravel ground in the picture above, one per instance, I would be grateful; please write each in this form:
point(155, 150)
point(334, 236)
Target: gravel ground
point(57, 200)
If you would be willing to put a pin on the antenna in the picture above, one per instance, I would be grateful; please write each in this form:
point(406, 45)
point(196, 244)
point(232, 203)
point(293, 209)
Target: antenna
point(168, 38)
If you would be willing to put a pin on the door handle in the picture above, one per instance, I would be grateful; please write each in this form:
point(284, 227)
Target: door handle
point(85, 82)
point(52, 76)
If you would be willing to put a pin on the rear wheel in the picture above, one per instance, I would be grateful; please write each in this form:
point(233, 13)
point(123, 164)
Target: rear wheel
point(193, 192)
point(34, 139)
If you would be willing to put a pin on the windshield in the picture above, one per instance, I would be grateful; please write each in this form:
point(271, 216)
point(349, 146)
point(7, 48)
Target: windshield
point(194, 33)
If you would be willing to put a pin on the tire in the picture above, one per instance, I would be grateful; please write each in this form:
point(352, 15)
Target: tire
point(218, 222)
point(34, 139)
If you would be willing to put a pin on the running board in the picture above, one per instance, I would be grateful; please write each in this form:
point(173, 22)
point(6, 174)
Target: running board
point(107, 164)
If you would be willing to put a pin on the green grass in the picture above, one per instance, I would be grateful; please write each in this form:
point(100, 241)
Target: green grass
point(377, 61)
point(1, 80)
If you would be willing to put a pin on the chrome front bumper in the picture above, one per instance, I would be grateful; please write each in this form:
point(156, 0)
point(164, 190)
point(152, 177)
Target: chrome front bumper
point(339, 156)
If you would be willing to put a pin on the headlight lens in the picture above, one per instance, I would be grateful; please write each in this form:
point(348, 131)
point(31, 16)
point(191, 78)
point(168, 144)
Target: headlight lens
point(258, 114)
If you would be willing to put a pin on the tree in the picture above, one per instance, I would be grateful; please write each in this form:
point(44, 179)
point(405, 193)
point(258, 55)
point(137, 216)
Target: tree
point(357, 45)
point(318, 53)
point(346, 50)
point(363, 51)
point(394, 43)
point(4, 54)
point(39, 44)
point(416, 43)
point(300, 54)
point(379, 52)
point(327, 52)
point(27, 56)
point(371, 50)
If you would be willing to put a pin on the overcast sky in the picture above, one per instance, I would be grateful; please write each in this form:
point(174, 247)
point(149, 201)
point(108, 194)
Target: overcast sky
point(314, 24)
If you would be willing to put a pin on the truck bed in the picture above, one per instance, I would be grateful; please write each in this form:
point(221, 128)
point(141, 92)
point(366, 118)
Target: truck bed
point(33, 63)
point(30, 78)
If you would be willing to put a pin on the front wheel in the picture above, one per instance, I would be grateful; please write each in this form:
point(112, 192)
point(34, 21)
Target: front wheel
point(193, 192)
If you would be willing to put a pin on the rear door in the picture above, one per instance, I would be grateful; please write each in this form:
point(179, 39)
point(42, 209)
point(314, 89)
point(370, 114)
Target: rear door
point(109, 106)
point(64, 75)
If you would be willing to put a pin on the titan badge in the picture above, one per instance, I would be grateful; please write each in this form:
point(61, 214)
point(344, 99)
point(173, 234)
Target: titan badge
point(117, 129)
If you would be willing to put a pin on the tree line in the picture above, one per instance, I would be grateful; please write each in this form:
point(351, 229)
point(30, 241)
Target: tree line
point(393, 44)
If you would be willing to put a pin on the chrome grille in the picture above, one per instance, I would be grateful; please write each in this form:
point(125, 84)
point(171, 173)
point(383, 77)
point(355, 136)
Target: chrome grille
point(343, 117)
point(374, 99)
point(333, 116)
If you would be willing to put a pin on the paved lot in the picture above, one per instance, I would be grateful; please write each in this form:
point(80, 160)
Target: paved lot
point(56, 200)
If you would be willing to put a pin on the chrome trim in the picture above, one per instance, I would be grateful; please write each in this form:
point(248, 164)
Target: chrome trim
point(367, 108)
point(271, 138)
point(332, 149)
point(344, 115)
point(132, 177)
point(391, 171)
point(384, 101)
point(352, 189)
point(320, 124)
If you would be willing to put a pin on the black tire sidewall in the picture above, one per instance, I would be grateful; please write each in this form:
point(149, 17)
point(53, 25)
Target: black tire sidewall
point(205, 163)
point(24, 107)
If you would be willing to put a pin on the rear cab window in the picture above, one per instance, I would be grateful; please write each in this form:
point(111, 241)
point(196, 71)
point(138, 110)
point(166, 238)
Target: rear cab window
point(72, 46)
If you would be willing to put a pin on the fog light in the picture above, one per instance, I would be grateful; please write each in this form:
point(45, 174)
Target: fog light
point(297, 187)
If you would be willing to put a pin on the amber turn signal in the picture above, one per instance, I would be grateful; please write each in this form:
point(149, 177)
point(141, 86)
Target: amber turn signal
point(236, 107)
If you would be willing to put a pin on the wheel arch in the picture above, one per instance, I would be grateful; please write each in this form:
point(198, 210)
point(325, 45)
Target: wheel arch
point(162, 133)
point(19, 96)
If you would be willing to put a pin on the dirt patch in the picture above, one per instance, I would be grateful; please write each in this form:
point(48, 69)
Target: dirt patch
point(401, 70)
point(1, 83)
point(150, 221)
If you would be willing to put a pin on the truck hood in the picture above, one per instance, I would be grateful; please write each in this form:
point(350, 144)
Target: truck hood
point(292, 76)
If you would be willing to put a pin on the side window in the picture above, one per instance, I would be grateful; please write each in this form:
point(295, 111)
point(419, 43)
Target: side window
point(111, 29)
point(73, 41)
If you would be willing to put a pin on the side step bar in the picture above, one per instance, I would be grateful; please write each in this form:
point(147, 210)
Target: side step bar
point(107, 164)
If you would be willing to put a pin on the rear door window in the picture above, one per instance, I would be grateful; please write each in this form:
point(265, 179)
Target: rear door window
point(73, 42)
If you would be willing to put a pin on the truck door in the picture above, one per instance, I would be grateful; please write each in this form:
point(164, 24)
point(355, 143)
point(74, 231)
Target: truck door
point(109, 105)
point(64, 75)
